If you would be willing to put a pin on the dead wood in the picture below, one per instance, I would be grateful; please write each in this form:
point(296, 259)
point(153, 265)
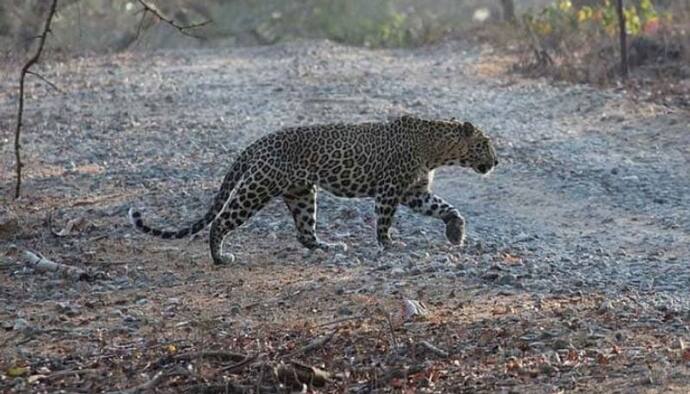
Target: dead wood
point(41, 264)
point(20, 109)
point(230, 388)
point(237, 367)
point(297, 374)
point(314, 344)
point(72, 372)
point(434, 349)
point(153, 383)
point(216, 354)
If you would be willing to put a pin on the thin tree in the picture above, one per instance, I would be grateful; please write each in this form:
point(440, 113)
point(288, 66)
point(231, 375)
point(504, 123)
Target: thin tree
point(508, 7)
point(147, 8)
point(27, 70)
point(623, 38)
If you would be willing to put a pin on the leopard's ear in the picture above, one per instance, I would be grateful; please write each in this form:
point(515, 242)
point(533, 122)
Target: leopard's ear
point(467, 129)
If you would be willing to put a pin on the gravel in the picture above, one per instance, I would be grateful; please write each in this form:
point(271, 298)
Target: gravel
point(592, 193)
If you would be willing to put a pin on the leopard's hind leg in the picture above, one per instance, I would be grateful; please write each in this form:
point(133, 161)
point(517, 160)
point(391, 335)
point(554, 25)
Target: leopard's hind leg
point(301, 201)
point(248, 198)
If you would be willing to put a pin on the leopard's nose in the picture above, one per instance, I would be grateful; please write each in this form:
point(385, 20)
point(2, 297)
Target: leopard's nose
point(482, 168)
point(495, 162)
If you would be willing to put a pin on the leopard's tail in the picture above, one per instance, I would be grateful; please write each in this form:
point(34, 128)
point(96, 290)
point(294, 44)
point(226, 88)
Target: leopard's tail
point(222, 198)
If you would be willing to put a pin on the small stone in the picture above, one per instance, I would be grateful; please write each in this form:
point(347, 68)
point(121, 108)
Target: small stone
point(344, 311)
point(523, 237)
point(21, 325)
point(66, 308)
point(507, 279)
point(605, 306)
point(559, 344)
point(553, 357)
point(412, 308)
point(397, 271)
point(490, 276)
point(678, 344)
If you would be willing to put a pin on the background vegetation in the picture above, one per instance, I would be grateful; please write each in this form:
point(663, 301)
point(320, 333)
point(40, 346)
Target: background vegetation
point(573, 40)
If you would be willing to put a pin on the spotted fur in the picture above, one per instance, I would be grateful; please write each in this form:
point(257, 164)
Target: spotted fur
point(392, 162)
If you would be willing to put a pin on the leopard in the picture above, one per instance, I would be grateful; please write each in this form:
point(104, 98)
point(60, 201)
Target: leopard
point(392, 162)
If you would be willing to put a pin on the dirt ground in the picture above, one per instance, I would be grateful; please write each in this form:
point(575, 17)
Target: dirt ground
point(574, 276)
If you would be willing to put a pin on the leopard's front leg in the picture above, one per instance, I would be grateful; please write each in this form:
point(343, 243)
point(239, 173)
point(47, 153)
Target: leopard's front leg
point(423, 202)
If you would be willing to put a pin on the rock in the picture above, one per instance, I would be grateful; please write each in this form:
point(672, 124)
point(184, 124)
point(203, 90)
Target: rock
point(345, 311)
point(508, 279)
point(559, 344)
point(413, 308)
point(398, 271)
point(22, 325)
point(678, 344)
point(605, 306)
point(490, 276)
point(66, 308)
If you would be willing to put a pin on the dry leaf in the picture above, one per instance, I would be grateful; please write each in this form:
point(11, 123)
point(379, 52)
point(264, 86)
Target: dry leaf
point(14, 372)
point(686, 355)
point(602, 359)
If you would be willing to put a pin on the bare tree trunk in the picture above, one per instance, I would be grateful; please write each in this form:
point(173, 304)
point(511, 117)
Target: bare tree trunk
point(20, 109)
point(623, 39)
point(509, 11)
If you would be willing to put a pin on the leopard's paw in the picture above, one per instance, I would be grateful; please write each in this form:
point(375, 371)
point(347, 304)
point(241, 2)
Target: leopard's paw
point(455, 231)
point(225, 259)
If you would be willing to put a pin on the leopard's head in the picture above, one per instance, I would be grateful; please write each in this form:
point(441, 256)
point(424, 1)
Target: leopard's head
point(479, 152)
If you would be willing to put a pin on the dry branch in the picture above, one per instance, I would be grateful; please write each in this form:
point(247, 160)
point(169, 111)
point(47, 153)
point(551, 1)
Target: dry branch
point(72, 372)
point(220, 355)
point(229, 388)
point(183, 29)
point(314, 344)
point(42, 264)
point(434, 349)
point(150, 385)
point(297, 374)
point(20, 110)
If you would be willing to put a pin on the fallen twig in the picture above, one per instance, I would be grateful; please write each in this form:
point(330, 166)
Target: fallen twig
point(341, 320)
point(391, 328)
point(396, 373)
point(71, 372)
point(222, 355)
point(234, 368)
point(42, 264)
point(314, 344)
point(297, 374)
point(228, 387)
point(20, 109)
point(434, 349)
point(151, 384)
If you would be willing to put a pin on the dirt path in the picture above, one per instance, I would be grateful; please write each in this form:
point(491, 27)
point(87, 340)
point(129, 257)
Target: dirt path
point(574, 277)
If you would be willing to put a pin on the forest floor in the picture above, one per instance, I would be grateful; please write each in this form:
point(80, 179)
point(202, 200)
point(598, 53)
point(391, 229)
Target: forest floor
point(574, 276)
